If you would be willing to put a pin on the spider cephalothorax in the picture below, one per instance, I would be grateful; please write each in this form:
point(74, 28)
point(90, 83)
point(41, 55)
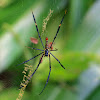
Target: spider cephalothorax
point(46, 52)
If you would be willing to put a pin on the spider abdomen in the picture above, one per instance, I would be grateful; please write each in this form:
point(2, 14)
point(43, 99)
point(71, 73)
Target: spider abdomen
point(46, 52)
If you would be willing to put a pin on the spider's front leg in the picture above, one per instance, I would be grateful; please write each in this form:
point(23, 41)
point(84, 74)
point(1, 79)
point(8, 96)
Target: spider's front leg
point(37, 30)
point(58, 29)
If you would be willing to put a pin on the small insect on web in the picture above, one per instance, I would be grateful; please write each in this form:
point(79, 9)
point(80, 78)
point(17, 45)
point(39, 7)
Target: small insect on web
point(46, 52)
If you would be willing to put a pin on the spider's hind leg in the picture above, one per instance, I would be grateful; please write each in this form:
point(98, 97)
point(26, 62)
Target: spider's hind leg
point(58, 61)
point(48, 75)
point(33, 72)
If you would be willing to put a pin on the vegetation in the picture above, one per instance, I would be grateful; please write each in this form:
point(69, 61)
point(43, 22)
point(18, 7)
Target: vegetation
point(78, 44)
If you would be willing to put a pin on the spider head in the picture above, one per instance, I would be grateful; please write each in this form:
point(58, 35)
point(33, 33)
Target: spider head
point(46, 38)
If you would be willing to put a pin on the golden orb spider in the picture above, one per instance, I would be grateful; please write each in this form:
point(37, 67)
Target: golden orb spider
point(46, 52)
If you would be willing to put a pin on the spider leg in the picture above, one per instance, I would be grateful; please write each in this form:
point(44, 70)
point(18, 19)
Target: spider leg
point(34, 71)
point(36, 67)
point(48, 75)
point(29, 59)
point(34, 48)
point(57, 60)
point(37, 29)
point(58, 29)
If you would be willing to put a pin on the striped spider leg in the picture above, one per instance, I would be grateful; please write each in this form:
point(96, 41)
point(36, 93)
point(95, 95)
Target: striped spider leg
point(34, 48)
point(48, 75)
point(58, 29)
point(34, 71)
point(46, 52)
point(29, 59)
point(37, 29)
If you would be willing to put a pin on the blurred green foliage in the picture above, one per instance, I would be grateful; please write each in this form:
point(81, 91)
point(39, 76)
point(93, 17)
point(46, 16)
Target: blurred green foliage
point(77, 42)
